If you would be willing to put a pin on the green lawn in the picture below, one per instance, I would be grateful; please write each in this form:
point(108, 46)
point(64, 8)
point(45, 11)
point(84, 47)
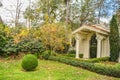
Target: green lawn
point(47, 70)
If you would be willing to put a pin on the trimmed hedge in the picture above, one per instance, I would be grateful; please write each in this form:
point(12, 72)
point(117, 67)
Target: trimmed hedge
point(94, 60)
point(73, 55)
point(98, 68)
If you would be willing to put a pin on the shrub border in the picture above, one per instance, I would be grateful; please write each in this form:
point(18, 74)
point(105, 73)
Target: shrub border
point(101, 69)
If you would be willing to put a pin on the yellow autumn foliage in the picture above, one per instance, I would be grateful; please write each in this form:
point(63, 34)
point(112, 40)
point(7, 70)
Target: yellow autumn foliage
point(55, 35)
point(7, 30)
point(46, 18)
point(22, 33)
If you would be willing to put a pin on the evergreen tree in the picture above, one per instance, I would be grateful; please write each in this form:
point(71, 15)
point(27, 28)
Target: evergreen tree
point(114, 39)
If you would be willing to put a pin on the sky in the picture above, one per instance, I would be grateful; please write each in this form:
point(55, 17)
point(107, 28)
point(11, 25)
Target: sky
point(7, 12)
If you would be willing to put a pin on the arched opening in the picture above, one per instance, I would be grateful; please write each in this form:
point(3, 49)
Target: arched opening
point(93, 47)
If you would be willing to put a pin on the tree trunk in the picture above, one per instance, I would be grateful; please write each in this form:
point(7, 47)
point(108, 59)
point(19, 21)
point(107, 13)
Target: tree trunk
point(67, 10)
point(17, 14)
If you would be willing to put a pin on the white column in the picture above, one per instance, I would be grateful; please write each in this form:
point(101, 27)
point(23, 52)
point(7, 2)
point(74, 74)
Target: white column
point(77, 45)
point(87, 49)
point(99, 44)
point(98, 48)
point(87, 46)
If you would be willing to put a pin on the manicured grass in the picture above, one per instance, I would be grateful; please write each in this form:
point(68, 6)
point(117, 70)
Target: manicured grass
point(47, 70)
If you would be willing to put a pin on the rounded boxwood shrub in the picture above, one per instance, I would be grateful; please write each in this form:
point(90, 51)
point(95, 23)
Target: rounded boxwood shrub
point(29, 62)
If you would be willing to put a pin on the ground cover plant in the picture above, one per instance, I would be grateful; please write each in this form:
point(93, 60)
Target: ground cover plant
point(47, 70)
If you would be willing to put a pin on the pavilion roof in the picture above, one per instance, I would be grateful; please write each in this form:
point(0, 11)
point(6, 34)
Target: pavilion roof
point(93, 28)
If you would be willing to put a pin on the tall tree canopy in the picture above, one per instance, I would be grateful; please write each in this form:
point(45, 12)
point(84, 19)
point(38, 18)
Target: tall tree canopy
point(70, 11)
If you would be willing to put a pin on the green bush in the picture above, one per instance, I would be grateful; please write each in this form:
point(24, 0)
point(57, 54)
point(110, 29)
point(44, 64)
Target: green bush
point(94, 60)
point(72, 52)
point(70, 55)
point(98, 68)
point(81, 55)
point(73, 55)
point(32, 46)
point(118, 66)
point(46, 54)
point(29, 62)
point(38, 55)
point(10, 48)
point(4, 41)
